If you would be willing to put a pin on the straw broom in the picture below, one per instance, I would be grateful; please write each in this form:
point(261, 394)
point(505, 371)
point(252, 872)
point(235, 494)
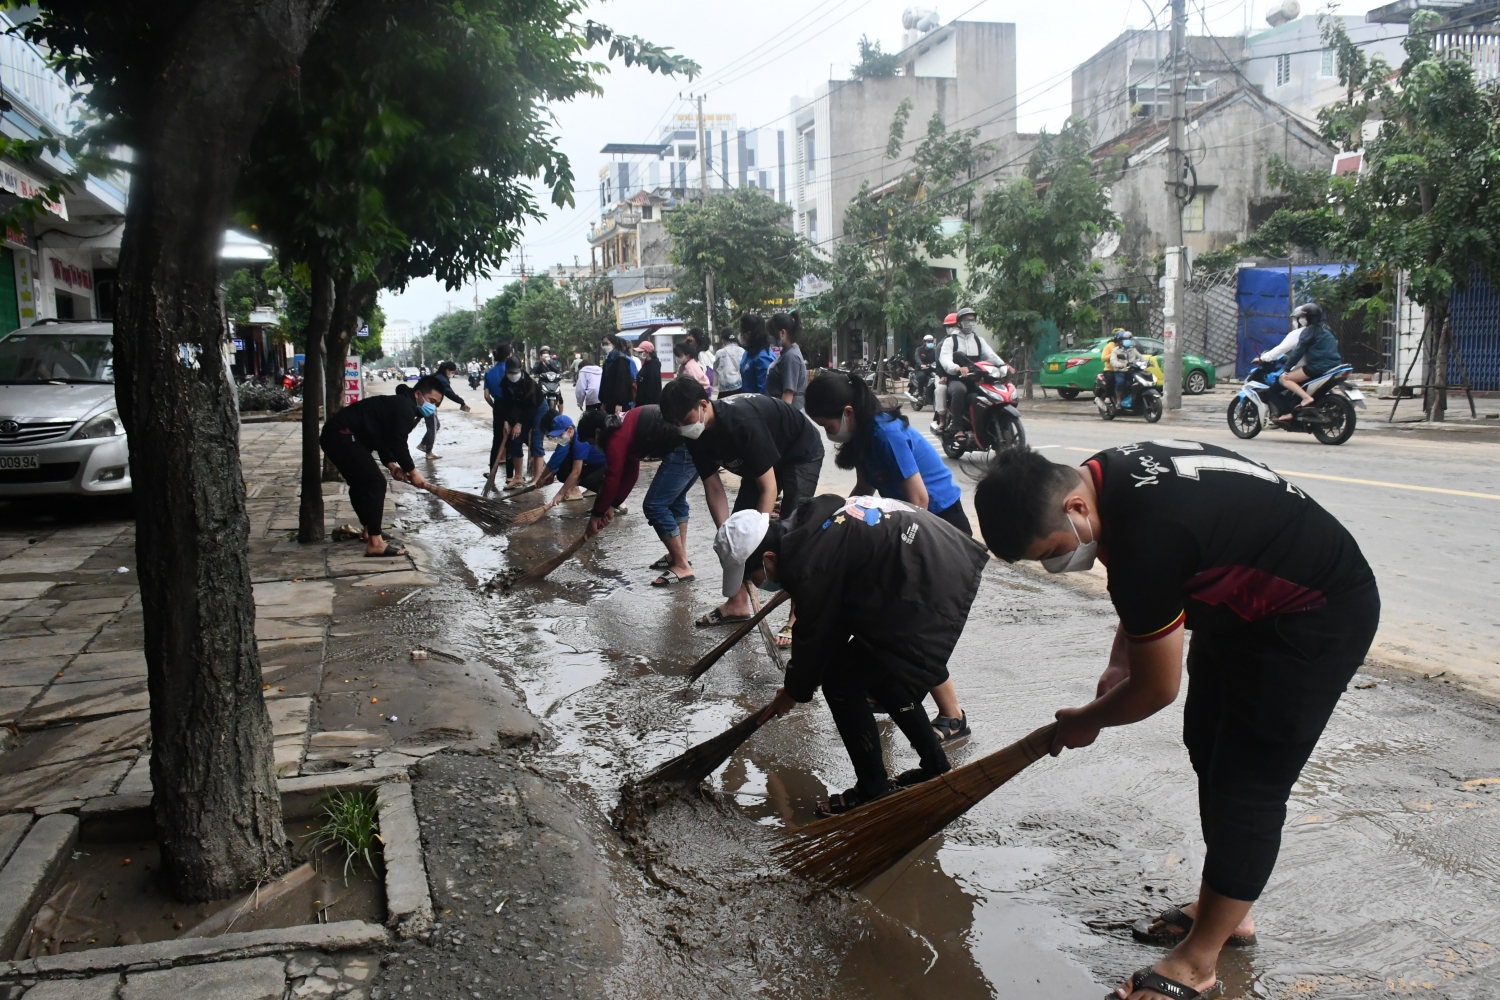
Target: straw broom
point(743, 629)
point(488, 514)
point(704, 759)
point(765, 630)
point(540, 571)
point(851, 849)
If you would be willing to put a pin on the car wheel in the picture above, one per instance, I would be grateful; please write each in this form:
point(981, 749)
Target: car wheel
point(1196, 382)
point(1068, 393)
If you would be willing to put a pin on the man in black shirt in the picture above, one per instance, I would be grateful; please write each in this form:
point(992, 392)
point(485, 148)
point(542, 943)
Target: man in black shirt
point(1282, 607)
point(771, 446)
point(883, 589)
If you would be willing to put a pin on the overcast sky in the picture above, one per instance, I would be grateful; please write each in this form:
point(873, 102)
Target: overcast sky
point(756, 56)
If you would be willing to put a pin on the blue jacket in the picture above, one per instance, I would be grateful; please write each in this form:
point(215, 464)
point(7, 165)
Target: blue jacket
point(753, 368)
point(1318, 347)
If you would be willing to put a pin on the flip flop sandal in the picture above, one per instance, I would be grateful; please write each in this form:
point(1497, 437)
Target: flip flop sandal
point(952, 732)
point(1142, 932)
point(669, 579)
point(715, 618)
point(1148, 979)
point(784, 637)
point(665, 562)
point(841, 802)
point(391, 552)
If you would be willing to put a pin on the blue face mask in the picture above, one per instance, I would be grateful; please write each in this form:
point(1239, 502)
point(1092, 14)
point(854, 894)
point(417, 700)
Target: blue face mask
point(1126, 343)
point(428, 409)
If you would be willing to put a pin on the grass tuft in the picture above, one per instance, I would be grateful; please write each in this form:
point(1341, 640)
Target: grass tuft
point(351, 823)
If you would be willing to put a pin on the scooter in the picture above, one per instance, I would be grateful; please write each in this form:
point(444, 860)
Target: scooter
point(1141, 398)
point(474, 379)
point(552, 389)
point(993, 420)
point(1329, 418)
point(922, 386)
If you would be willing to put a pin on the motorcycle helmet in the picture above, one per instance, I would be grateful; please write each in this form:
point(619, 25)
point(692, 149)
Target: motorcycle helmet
point(927, 338)
point(1310, 313)
point(965, 313)
point(951, 319)
point(1120, 334)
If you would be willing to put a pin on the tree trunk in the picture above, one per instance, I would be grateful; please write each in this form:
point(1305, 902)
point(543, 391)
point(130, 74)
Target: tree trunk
point(335, 354)
point(310, 510)
point(1435, 396)
point(217, 812)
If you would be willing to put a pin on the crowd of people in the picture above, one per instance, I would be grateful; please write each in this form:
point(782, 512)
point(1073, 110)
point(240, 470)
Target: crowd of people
point(1280, 601)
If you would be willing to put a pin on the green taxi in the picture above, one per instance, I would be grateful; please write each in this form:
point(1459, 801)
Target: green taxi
point(1074, 371)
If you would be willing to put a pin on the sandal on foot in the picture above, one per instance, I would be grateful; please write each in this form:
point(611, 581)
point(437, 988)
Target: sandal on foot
point(390, 552)
point(784, 637)
point(1142, 932)
point(1150, 979)
point(841, 802)
point(951, 732)
point(668, 578)
point(665, 562)
point(715, 618)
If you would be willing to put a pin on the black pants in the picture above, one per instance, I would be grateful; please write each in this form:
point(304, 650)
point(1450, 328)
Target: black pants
point(498, 438)
point(592, 478)
point(899, 687)
point(1259, 696)
point(954, 515)
point(365, 477)
point(958, 401)
point(797, 481)
point(430, 438)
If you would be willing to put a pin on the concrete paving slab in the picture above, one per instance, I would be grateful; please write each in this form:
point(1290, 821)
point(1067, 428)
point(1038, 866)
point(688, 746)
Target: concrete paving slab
point(24, 589)
point(46, 559)
point(66, 783)
point(285, 599)
point(408, 900)
point(138, 779)
point(28, 875)
point(88, 698)
point(13, 701)
point(13, 827)
point(286, 751)
point(47, 645)
point(66, 621)
point(121, 665)
point(91, 605)
point(281, 628)
point(111, 734)
point(247, 979)
point(348, 739)
point(98, 988)
point(29, 673)
point(289, 716)
point(118, 636)
point(10, 607)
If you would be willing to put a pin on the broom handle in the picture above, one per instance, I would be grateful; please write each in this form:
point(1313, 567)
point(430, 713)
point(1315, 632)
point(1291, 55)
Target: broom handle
point(765, 629)
point(1034, 745)
point(540, 571)
point(743, 629)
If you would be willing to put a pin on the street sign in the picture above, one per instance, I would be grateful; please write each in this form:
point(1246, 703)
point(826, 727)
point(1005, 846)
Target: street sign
point(354, 385)
point(364, 331)
point(239, 345)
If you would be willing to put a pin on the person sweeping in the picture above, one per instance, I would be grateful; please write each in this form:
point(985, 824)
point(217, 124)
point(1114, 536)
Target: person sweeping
point(882, 590)
point(577, 459)
point(379, 424)
point(1282, 607)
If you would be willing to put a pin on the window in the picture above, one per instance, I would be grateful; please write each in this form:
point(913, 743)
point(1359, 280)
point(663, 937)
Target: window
point(809, 155)
point(1192, 214)
point(1329, 66)
point(1283, 70)
point(812, 226)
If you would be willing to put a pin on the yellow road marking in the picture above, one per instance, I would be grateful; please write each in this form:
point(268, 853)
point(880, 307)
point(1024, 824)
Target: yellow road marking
point(1357, 482)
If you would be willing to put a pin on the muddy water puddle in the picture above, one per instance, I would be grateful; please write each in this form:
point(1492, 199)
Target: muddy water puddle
point(1386, 883)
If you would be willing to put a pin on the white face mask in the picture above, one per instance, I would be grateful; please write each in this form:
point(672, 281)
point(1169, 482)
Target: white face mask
point(691, 431)
point(1078, 560)
point(845, 432)
point(968, 327)
point(513, 376)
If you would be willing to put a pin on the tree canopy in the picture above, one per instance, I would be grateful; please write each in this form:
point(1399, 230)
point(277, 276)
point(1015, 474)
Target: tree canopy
point(873, 61)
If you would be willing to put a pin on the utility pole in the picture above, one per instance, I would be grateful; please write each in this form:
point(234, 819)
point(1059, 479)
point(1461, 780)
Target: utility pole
point(1174, 284)
point(708, 276)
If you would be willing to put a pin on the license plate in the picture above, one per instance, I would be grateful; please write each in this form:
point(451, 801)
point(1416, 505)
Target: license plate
point(1354, 394)
point(19, 462)
point(1054, 367)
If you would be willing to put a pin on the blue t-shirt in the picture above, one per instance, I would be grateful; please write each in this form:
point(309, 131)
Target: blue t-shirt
point(571, 452)
point(494, 379)
point(896, 451)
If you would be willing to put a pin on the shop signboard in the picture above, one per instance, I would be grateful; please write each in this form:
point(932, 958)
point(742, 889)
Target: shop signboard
point(354, 386)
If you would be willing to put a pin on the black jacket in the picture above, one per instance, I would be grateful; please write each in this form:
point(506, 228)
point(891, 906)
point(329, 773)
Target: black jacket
point(617, 385)
point(448, 389)
point(648, 382)
point(899, 578)
point(519, 401)
point(381, 424)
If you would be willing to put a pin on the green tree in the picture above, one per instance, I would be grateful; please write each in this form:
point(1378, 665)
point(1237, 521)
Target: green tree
point(873, 61)
point(745, 239)
point(1031, 254)
point(185, 85)
point(882, 277)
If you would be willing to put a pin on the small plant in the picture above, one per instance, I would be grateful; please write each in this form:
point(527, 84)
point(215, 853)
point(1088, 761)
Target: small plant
point(261, 396)
point(351, 823)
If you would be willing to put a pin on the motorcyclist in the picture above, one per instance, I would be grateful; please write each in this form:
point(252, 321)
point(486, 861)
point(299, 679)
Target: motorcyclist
point(1315, 347)
point(545, 362)
point(961, 349)
point(1121, 358)
point(940, 392)
point(926, 361)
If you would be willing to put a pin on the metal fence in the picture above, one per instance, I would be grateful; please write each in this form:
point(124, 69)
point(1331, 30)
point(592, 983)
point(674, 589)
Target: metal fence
point(1210, 322)
point(1476, 336)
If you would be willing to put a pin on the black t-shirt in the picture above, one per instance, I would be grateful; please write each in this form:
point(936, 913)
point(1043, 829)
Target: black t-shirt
point(1196, 534)
point(753, 433)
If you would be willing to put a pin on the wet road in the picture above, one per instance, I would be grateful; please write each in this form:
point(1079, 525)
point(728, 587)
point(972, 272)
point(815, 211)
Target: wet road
point(1387, 879)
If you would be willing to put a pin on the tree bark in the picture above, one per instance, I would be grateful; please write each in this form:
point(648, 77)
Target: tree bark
point(351, 301)
point(1435, 395)
point(217, 812)
point(310, 510)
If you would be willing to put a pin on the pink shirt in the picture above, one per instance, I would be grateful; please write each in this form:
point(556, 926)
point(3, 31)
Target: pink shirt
point(691, 367)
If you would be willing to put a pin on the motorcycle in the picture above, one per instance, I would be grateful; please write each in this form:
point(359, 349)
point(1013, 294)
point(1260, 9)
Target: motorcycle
point(552, 389)
point(1142, 397)
point(474, 379)
point(922, 386)
point(1329, 418)
point(993, 420)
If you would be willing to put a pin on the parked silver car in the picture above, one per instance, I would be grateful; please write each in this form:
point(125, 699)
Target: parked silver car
point(59, 429)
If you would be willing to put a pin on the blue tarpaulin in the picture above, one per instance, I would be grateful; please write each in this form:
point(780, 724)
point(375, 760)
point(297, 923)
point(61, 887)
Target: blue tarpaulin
point(1263, 295)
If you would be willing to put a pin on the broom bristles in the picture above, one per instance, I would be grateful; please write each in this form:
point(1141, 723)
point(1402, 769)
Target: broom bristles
point(492, 519)
point(541, 570)
point(851, 849)
point(700, 761)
